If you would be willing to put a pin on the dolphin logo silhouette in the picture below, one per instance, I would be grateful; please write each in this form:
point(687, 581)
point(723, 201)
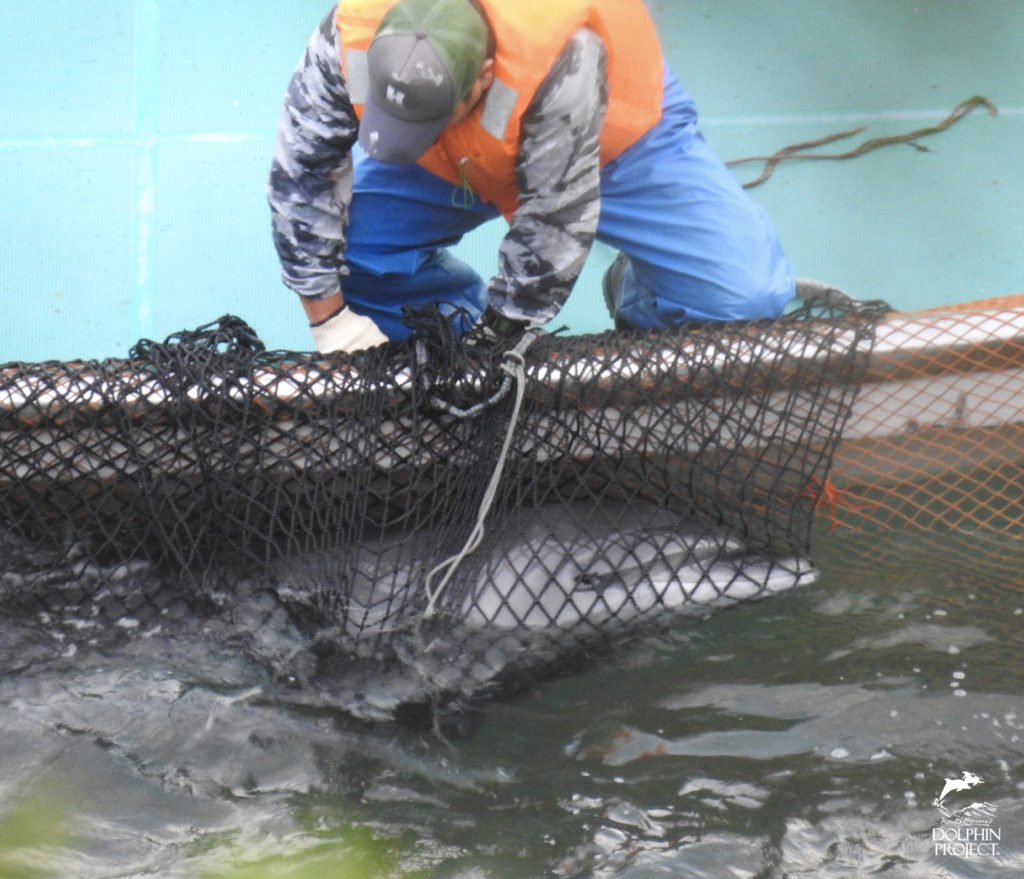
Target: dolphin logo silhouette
point(965, 782)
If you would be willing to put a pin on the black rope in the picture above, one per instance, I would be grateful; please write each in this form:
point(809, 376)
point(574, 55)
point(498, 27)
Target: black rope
point(797, 150)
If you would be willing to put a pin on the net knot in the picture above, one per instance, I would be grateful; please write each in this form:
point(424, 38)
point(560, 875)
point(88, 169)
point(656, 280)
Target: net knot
point(462, 374)
point(213, 356)
point(226, 335)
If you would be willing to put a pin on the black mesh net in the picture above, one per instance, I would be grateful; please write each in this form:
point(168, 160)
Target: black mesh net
point(437, 515)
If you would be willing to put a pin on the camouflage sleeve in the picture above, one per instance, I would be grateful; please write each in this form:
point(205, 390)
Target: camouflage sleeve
point(558, 175)
point(310, 184)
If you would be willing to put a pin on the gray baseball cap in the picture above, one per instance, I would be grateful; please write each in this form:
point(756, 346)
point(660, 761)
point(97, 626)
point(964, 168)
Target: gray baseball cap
point(422, 61)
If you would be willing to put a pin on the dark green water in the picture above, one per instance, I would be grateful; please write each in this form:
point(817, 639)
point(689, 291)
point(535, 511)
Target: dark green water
point(805, 735)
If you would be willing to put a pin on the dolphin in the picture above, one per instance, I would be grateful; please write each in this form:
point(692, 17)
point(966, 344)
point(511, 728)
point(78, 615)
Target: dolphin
point(555, 568)
point(543, 583)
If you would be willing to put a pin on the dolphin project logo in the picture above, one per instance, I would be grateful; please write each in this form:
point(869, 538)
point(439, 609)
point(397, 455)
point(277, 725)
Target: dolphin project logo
point(965, 830)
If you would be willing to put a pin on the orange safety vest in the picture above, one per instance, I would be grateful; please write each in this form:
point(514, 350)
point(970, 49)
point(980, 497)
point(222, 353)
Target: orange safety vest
point(481, 150)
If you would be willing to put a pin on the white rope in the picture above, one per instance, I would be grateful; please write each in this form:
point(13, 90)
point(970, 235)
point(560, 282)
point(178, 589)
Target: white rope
point(514, 366)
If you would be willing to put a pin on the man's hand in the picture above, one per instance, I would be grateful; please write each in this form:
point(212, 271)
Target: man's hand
point(345, 331)
point(494, 328)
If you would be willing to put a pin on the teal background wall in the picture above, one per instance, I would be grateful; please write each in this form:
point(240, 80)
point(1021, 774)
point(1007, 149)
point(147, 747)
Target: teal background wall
point(135, 138)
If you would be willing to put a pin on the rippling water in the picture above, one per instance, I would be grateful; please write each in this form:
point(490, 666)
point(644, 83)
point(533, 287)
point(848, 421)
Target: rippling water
point(806, 735)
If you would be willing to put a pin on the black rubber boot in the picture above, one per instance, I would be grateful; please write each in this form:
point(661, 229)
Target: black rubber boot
point(611, 284)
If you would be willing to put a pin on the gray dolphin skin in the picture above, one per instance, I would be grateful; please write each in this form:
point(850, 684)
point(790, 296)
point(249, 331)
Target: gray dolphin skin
point(573, 566)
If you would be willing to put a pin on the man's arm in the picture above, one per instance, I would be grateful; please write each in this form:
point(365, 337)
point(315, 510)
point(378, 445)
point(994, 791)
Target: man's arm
point(558, 175)
point(310, 183)
point(310, 191)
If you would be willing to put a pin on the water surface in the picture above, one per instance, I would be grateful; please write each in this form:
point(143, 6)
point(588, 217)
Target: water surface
point(808, 734)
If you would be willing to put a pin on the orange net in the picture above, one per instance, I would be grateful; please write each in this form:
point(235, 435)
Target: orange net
point(934, 450)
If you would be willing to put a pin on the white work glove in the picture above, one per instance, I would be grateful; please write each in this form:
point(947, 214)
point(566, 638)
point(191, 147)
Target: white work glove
point(346, 331)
